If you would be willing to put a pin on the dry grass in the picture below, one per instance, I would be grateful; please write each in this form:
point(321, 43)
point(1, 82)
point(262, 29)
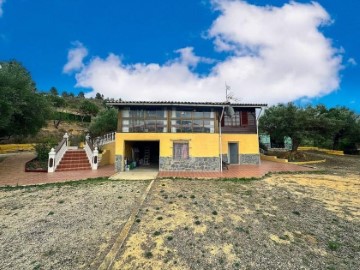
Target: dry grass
point(282, 222)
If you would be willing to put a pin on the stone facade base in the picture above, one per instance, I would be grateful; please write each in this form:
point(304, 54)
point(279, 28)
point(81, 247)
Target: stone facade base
point(191, 164)
point(253, 159)
point(119, 166)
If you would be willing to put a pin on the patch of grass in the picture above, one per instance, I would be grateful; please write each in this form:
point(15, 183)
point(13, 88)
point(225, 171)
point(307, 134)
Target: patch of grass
point(334, 245)
point(241, 229)
point(97, 180)
point(49, 253)
point(51, 213)
point(37, 267)
point(284, 237)
point(148, 254)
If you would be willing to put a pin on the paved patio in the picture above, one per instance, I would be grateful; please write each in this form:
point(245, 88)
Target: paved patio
point(12, 172)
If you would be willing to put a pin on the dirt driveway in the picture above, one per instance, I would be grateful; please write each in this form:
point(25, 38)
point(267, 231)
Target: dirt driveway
point(309, 221)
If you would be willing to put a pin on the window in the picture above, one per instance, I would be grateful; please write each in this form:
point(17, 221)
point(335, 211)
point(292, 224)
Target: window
point(240, 118)
point(144, 120)
point(192, 121)
point(180, 150)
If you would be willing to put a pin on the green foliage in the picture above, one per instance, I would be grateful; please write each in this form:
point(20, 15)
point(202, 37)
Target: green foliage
point(99, 96)
point(53, 91)
point(88, 108)
point(43, 149)
point(106, 121)
point(331, 128)
point(70, 117)
point(23, 111)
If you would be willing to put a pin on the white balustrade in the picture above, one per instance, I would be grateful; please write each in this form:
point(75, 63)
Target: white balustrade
point(55, 155)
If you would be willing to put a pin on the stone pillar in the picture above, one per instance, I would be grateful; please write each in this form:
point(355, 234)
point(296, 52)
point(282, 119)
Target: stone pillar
point(95, 159)
point(51, 161)
point(66, 137)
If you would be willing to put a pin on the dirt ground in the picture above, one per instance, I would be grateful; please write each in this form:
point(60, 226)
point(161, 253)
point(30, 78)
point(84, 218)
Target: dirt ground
point(62, 226)
point(286, 221)
point(337, 164)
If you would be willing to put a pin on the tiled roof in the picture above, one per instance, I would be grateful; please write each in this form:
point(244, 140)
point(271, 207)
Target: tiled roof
point(182, 103)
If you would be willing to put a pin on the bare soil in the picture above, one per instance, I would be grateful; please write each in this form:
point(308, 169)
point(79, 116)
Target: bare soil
point(286, 221)
point(337, 164)
point(62, 226)
point(282, 222)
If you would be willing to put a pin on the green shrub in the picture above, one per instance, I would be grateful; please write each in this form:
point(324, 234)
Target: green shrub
point(42, 150)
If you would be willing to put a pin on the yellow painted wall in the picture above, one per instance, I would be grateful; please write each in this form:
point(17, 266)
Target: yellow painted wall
point(248, 143)
point(201, 144)
point(110, 148)
point(9, 148)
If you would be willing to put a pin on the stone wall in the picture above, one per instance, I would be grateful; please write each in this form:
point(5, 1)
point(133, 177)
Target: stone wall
point(119, 166)
point(253, 159)
point(190, 164)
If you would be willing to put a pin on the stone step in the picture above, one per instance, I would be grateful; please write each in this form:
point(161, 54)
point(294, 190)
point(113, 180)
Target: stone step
point(73, 169)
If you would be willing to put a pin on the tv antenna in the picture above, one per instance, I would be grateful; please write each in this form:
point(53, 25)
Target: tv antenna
point(227, 89)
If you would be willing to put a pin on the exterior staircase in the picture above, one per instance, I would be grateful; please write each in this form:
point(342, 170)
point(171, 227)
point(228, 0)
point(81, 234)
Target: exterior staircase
point(74, 160)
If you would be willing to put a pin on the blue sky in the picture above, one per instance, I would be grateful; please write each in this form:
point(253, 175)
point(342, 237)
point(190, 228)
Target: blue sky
point(267, 51)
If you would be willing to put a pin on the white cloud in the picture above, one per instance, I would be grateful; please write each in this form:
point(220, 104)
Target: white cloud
point(75, 57)
point(352, 62)
point(1, 7)
point(276, 54)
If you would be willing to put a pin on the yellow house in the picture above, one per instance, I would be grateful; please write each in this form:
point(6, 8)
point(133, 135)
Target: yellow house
point(185, 136)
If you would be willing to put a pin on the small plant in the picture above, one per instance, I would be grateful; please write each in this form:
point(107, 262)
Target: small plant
point(192, 196)
point(284, 237)
point(157, 233)
point(61, 201)
point(333, 245)
point(138, 220)
point(214, 212)
point(197, 222)
point(169, 238)
point(241, 229)
point(296, 213)
point(51, 213)
point(119, 197)
point(148, 254)
point(159, 218)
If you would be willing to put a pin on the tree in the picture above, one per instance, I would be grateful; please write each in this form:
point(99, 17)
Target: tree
point(64, 94)
point(346, 127)
point(294, 122)
point(99, 96)
point(23, 111)
point(81, 94)
point(88, 108)
point(105, 122)
point(53, 91)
